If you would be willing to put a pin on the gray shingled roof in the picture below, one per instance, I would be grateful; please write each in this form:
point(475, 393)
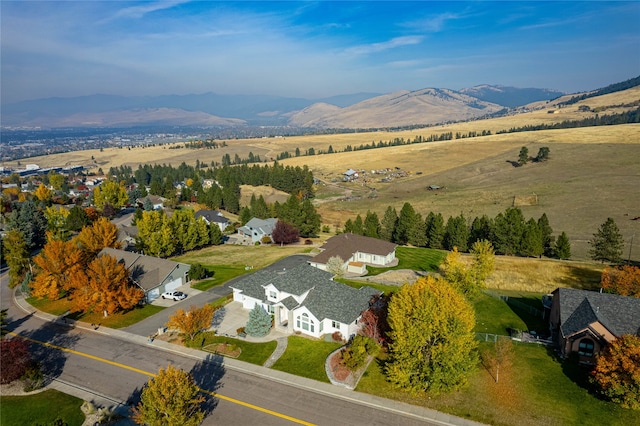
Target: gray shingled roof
point(579, 308)
point(326, 298)
point(212, 216)
point(265, 226)
point(345, 245)
point(338, 302)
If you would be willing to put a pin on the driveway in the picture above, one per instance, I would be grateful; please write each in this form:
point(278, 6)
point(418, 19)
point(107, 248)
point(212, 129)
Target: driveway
point(150, 325)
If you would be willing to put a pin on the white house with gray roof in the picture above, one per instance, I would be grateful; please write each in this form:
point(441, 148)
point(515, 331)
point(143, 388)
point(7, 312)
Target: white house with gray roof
point(305, 299)
point(213, 216)
point(356, 251)
point(256, 228)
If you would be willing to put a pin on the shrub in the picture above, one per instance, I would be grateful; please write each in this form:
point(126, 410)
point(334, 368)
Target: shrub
point(355, 355)
point(326, 229)
point(15, 359)
point(241, 330)
point(198, 272)
point(308, 242)
point(337, 336)
point(259, 322)
point(33, 378)
point(266, 240)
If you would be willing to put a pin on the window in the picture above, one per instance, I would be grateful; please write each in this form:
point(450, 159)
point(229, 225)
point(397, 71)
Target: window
point(272, 294)
point(271, 309)
point(321, 326)
point(586, 347)
point(304, 322)
point(335, 324)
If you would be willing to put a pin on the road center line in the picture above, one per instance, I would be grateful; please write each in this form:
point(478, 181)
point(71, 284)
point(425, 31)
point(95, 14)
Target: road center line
point(146, 373)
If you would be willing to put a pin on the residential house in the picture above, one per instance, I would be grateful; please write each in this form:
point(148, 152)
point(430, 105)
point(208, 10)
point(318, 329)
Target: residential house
point(304, 299)
point(151, 274)
point(356, 251)
point(583, 322)
point(256, 229)
point(213, 216)
point(156, 201)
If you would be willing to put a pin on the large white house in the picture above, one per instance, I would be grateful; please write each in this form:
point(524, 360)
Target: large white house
point(305, 299)
point(213, 216)
point(356, 251)
point(256, 228)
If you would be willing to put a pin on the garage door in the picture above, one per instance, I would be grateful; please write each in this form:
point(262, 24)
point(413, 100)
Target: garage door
point(172, 285)
point(153, 294)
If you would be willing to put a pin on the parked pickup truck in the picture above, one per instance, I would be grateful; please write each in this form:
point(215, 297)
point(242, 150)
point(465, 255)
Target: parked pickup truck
point(175, 295)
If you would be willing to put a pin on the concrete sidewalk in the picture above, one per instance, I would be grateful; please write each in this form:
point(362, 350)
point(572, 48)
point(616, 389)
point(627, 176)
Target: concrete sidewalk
point(120, 407)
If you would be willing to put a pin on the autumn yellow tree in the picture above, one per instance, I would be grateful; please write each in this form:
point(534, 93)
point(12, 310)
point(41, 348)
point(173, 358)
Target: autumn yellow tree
point(14, 251)
point(43, 193)
point(623, 280)
point(433, 346)
point(104, 287)
point(56, 221)
point(93, 238)
point(110, 192)
point(171, 398)
point(193, 321)
point(617, 371)
point(58, 261)
point(470, 278)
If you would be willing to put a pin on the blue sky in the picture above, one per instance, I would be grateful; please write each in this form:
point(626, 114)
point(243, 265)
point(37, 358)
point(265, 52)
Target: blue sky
point(311, 49)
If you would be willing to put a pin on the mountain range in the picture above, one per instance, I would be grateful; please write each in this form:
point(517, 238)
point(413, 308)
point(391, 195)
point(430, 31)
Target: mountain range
point(359, 110)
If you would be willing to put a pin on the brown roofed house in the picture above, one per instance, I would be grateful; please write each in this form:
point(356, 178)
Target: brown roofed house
point(356, 251)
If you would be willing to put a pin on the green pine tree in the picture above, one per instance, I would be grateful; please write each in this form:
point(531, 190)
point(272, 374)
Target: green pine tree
point(607, 243)
point(563, 247)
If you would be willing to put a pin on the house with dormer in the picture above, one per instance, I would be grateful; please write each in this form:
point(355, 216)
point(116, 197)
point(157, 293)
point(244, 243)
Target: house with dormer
point(213, 216)
point(584, 322)
point(256, 229)
point(304, 299)
point(356, 251)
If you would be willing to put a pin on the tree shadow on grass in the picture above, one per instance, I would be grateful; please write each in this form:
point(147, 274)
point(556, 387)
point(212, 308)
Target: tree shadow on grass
point(576, 372)
point(580, 278)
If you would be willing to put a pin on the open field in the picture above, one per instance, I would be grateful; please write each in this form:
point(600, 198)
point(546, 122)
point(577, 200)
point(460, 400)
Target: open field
point(593, 172)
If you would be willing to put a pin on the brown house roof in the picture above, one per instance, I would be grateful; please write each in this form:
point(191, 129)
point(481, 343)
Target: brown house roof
point(146, 271)
point(345, 245)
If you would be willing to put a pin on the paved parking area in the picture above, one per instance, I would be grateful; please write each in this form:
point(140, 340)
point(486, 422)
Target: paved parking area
point(232, 316)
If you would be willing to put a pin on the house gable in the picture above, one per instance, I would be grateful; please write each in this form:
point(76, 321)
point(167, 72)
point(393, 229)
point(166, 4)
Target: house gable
point(355, 248)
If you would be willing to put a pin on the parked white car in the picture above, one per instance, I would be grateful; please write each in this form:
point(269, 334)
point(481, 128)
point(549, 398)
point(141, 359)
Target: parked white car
point(175, 295)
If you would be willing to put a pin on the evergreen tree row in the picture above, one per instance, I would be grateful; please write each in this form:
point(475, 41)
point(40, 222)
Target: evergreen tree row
point(302, 215)
point(509, 232)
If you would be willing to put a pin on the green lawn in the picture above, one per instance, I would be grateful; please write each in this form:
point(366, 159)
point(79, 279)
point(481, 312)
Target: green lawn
point(387, 289)
point(414, 258)
point(222, 275)
point(41, 408)
point(254, 353)
point(538, 389)
point(305, 357)
point(117, 320)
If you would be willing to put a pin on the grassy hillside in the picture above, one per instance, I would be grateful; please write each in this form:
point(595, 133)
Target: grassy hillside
point(593, 172)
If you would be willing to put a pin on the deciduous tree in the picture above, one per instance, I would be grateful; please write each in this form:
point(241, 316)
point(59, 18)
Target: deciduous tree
point(335, 265)
point(193, 321)
point(607, 243)
point(171, 398)
point(433, 344)
point(15, 359)
point(617, 371)
point(59, 262)
point(622, 280)
point(43, 193)
point(110, 192)
point(14, 251)
point(285, 233)
point(105, 287)
point(100, 234)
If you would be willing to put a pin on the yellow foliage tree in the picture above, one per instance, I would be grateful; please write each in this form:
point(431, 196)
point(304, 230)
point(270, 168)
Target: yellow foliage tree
point(112, 193)
point(172, 398)
point(432, 340)
point(43, 193)
point(93, 238)
point(58, 261)
point(105, 287)
point(56, 221)
point(193, 321)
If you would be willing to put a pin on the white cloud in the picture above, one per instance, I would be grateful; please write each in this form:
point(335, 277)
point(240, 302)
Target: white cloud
point(366, 49)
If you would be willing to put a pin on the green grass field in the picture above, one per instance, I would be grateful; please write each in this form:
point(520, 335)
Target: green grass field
point(414, 258)
point(537, 389)
point(41, 409)
point(305, 357)
point(254, 353)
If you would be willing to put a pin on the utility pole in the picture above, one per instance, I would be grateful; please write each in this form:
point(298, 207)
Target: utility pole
point(630, 246)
